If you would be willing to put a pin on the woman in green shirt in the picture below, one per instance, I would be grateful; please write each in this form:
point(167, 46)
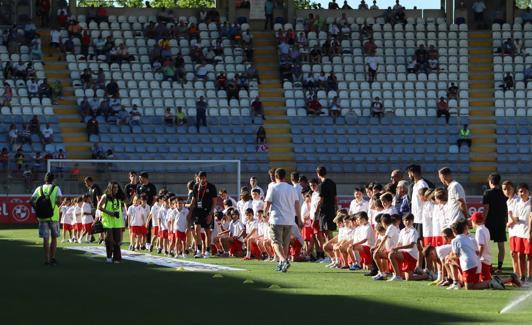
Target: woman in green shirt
point(112, 205)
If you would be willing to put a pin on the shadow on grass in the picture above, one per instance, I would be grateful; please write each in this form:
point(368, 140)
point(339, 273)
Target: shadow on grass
point(86, 290)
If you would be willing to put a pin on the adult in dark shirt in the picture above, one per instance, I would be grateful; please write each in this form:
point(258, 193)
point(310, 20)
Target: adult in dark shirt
point(201, 113)
point(326, 208)
point(395, 177)
point(496, 215)
point(202, 207)
point(131, 188)
point(149, 191)
point(95, 193)
point(112, 88)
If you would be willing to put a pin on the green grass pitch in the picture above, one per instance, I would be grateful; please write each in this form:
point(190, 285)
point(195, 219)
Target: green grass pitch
point(85, 290)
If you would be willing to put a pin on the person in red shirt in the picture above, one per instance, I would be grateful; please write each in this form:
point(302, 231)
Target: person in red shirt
point(443, 109)
point(62, 18)
point(314, 107)
point(85, 43)
point(257, 109)
point(101, 14)
point(43, 7)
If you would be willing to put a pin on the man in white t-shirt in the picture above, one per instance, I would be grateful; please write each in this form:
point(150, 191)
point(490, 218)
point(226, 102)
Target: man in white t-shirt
point(294, 178)
point(455, 193)
point(282, 205)
point(47, 133)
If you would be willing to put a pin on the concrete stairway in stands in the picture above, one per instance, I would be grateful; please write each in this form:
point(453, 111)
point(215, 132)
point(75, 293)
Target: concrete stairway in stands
point(483, 154)
point(278, 130)
point(72, 129)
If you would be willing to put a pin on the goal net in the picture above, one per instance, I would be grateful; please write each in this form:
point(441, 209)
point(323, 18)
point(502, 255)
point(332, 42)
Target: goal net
point(170, 174)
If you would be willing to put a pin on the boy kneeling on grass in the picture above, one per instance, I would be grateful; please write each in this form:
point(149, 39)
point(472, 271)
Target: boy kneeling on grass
point(403, 256)
point(465, 259)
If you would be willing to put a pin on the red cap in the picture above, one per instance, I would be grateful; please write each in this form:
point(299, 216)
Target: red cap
point(477, 216)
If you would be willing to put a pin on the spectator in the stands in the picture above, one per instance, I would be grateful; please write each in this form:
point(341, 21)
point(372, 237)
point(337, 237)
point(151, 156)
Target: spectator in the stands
point(242, 82)
point(372, 64)
point(268, 14)
point(57, 90)
point(122, 116)
point(33, 88)
point(19, 159)
point(314, 107)
point(422, 57)
point(333, 5)
point(115, 104)
point(374, 6)
point(346, 5)
point(111, 89)
point(135, 116)
point(478, 12)
point(526, 15)
point(508, 82)
point(366, 31)
point(221, 80)
point(377, 108)
point(257, 109)
point(36, 50)
point(13, 134)
point(335, 108)
point(232, 91)
point(180, 117)
point(168, 72)
point(74, 29)
point(44, 89)
point(260, 139)
point(35, 125)
point(363, 5)
point(332, 82)
point(25, 134)
point(433, 65)
point(47, 134)
point(99, 46)
point(297, 72)
point(86, 78)
point(315, 55)
point(201, 113)
point(93, 127)
point(442, 108)
point(452, 91)
point(252, 73)
point(527, 74)
point(508, 47)
point(412, 66)
point(464, 137)
point(101, 14)
point(369, 47)
point(201, 72)
point(168, 116)
point(8, 95)
point(94, 104)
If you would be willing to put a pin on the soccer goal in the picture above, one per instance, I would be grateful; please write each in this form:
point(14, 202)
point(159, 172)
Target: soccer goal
point(170, 174)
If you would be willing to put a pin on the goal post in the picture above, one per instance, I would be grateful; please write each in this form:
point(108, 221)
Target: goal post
point(170, 174)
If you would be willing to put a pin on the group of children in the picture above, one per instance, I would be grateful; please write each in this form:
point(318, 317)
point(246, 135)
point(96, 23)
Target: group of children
point(375, 234)
point(77, 219)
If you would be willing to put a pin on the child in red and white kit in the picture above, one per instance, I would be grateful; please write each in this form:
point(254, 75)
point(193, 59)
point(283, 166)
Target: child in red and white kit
point(482, 237)
point(363, 240)
point(522, 245)
point(66, 219)
point(137, 219)
point(257, 204)
point(154, 218)
point(86, 218)
point(465, 249)
point(389, 241)
point(512, 198)
point(264, 242)
point(251, 234)
point(163, 227)
point(403, 256)
point(233, 243)
point(77, 215)
point(307, 231)
point(180, 229)
point(341, 247)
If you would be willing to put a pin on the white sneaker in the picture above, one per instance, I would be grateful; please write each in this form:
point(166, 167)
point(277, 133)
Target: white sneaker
point(80, 241)
point(184, 255)
point(326, 260)
point(379, 276)
point(395, 278)
point(207, 255)
point(454, 286)
point(198, 254)
point(332, 264)
point(109, 260)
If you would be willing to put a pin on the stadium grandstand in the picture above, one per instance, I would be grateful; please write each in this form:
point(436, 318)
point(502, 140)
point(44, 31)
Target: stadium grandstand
point(359, 89)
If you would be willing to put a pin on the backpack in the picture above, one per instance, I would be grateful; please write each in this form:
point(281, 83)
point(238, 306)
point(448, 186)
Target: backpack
point(43, 206)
